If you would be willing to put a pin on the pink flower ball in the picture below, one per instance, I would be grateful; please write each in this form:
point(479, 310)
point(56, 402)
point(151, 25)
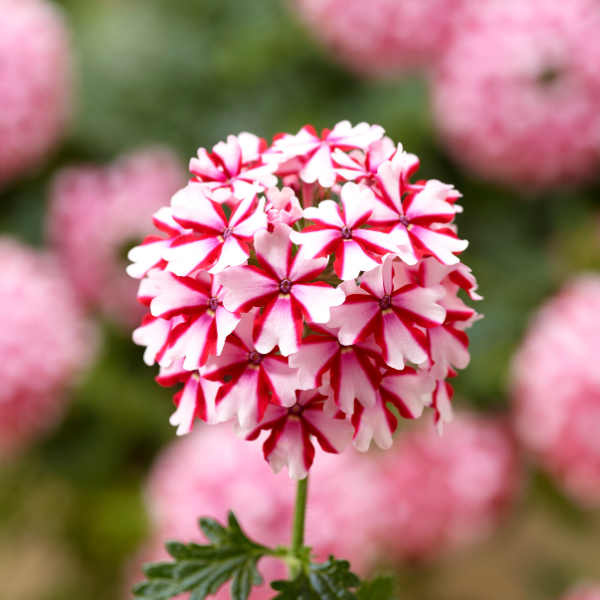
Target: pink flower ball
point(44, 345)
point(584, 592)
point(211, 471)
point(516, 95)
point(557, 389)
point(98, 213)
point(445, 492)
point(382, 37)
point(35, 83)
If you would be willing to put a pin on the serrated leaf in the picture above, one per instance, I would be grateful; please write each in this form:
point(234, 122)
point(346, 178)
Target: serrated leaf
point(331, 580)
point(380, 588)
point(203, 568)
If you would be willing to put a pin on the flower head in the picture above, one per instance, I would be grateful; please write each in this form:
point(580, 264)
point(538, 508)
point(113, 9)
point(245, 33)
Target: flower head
point(311, 312)
point(557, 389)
point(36, 87)
point(514, 96)
point(97, 213)
point(46, 344)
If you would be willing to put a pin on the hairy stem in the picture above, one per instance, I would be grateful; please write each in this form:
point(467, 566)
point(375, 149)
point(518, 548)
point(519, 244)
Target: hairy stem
point(298, 525)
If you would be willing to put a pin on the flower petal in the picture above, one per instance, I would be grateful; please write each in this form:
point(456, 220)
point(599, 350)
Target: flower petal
point(280, 324)
point(376, 423)
point(248, 287)
point(191, 252)
point(177, 295)
point(313, 359)
point(316, 299)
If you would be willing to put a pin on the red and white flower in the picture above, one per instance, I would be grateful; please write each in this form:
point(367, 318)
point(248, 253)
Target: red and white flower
point(337, 231)
point(395, 315)
point(285, 287)
point(353, 370)
point(362, 166)
point(216, 242)
point(316, 151)
point(195, 401)
point(282, 207)
point(408, 390)
point(230, 173)
point(289, 443)
point(148, 255)
point(154, 333)
point(422, 216)
point(200, 298)
point(256, 378)
point(233, 290)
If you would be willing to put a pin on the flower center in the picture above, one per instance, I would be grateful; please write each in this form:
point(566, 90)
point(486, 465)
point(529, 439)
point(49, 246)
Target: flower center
point(296, 410)
point(385, 302)
point(404, 220)
point(214, 304)
point(346, 232)
point(255, 357)
point(227, 232)
point(285, 286)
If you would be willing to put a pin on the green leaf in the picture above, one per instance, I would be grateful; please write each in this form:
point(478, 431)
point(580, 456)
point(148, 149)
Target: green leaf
point(203, 569)
point(380, 588)
point(331, 580)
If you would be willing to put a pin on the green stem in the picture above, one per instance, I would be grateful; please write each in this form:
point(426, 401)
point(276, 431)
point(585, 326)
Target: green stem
point(298, 526)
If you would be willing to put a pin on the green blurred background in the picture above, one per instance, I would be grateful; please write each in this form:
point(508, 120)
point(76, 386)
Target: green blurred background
point(186, 73)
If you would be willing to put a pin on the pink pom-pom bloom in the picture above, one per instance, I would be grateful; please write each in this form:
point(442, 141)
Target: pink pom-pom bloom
point(557, 389)
point(35, 83)
point(300, 318)
point(584, 592)
point(382, 37)
point(516, 95)
point(446, 492)
point(98, 213)
point(45, 343)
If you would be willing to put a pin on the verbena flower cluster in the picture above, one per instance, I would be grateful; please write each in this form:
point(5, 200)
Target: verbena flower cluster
point(557, 391)
point(307, 310)
point(97, 213)
point(35, 83)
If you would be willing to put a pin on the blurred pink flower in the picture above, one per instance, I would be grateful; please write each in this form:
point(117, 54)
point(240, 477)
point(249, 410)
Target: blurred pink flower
point(584, 592)
point(382, 37)
point(516, 94)
point(444, 492)
point(557, 388)
point(35, 83)
point(209, 472)
point(98, 213)
point(45, 343)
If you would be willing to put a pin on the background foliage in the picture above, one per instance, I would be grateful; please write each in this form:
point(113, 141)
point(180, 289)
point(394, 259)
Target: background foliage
point(187, 73)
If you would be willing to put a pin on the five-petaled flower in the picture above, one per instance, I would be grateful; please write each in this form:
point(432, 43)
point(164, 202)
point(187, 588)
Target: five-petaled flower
point(289, 443)
point(208, 323)
point(338, 232)
point(315, 151)
point(231, 171)
point(216, 242)
point(256, 378)
point(396, 316)
point(307, 311)
point(284, 285)
point(422, 217)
